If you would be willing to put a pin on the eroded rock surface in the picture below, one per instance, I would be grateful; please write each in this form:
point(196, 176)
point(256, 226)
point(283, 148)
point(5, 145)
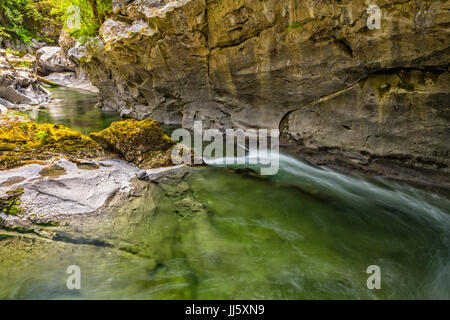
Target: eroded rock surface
point(65, 188)
point(400, 116)
point(311, 64)
point(19, 88)
point(52, 59)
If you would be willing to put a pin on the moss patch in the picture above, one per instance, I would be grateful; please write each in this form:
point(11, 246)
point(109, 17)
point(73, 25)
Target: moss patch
point(22, 64)
point(15, 53)
point(295, 25)
point(140, 142)
point(23, 142)
point(10, 204)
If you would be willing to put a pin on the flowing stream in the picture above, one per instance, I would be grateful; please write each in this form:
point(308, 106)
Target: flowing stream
point(218, 233)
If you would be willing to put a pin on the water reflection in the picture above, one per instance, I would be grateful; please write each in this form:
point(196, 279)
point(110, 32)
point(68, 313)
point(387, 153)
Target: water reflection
point(75, 109)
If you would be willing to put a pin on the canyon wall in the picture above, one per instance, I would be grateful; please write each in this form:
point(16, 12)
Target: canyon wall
point(309, 67)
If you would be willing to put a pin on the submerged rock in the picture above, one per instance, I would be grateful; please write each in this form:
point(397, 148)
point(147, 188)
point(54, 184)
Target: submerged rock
point(140, 142)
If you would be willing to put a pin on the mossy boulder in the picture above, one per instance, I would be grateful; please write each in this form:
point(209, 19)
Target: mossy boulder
point(141, 142)
point(23, 142)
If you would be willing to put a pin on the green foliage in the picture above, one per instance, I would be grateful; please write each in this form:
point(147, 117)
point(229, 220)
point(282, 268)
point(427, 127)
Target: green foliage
point(92, 14)
point(19, 19)
point(15, 53)
point(295, 25)
point(24, 19)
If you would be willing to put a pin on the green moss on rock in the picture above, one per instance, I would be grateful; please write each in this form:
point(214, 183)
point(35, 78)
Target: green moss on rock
point(141, 142)
point(23, 142)
point(10, 204)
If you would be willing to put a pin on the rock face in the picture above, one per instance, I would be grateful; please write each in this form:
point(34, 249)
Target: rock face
point(20, 46)
point(54, 64)
point(401, 116)
point(310, 68)
point(52, 59)
point(19, 88)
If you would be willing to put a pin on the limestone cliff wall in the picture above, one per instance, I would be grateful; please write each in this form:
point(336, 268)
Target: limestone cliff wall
point(310, 67)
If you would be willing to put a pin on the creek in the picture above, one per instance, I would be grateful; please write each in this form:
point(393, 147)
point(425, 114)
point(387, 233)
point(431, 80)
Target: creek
point(306, 233)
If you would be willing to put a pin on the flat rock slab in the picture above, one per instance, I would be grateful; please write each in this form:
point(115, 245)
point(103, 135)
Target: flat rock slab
point(67, 188)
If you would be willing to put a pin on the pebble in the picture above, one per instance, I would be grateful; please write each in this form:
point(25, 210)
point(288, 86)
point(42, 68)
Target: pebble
point(142, 175)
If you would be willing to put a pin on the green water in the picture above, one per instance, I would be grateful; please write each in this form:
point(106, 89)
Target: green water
point(76, 109)
point(306, 233)
point(309, 234)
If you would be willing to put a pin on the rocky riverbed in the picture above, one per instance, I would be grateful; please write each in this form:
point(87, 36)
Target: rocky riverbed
point(19, 88)
point(77, 188)
point(55, 171)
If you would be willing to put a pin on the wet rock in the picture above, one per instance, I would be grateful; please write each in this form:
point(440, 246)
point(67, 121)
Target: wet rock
point(174, 172)
point(52, 59)
point(63, 189)
point(76, 191)
point(142, 175)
